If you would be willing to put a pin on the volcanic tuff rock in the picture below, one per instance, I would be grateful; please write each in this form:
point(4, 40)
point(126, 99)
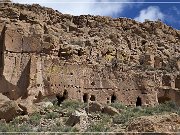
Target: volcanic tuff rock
point(8, 109)
point(158, 123)
point(110, 110)
point(44, 53)
point(78, 119)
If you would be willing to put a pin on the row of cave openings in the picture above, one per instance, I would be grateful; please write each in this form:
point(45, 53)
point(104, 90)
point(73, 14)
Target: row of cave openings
point(86, 98)
point(166, 81)
point(112, 99)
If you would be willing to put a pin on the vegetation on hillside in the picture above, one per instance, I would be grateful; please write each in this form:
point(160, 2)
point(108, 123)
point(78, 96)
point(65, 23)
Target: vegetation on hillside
point(53, 118)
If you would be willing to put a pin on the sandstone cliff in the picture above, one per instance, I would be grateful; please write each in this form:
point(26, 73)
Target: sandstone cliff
point(44, 53)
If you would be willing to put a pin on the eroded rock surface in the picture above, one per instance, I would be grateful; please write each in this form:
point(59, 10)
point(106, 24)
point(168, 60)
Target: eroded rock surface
point(159, 123)
point(8, 108)
point(44, 53)
point(79, 119)
point(110, 110)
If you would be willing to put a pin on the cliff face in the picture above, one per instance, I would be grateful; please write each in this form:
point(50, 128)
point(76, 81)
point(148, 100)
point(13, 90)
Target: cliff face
point(48, 54)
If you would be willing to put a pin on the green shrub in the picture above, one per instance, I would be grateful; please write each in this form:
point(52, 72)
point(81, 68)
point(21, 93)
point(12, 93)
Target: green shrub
point(23, 128)
point(71, 104)
point(97, 127)
point(124, 117)
point(105, 118)
point(130, 113)
point(3, 127)
point(101, 125)
point(12, 127)
point(136, 109)
point(15, 120)
point(35, 118)
point(118, 105)
point(167, 107)
point(62, 128)
point(149, 111)
point(162, 108)
point(51, 115)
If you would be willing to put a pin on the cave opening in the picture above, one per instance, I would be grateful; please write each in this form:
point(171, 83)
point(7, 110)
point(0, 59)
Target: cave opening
point(113, 98)
point(138, 101)
point(92, 98)
point(107, 100)
point(85, 98)
point(63, 97)
point(93, 83)
point(80, 53)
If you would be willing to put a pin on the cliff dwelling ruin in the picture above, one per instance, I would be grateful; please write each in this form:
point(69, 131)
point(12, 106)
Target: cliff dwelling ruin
point(45, 53)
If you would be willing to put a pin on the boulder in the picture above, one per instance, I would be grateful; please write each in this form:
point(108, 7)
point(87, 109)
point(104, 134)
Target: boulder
point(45, 104)
point(28, 106)
point(78, 119)
point(8, 109)
point(141, 124)
point(23, 118)
point(110, 110)
point(94, 107)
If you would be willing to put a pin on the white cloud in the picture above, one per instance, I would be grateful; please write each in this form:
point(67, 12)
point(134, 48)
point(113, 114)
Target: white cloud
point(152, 13)
point(176, 10)
point(82, 7)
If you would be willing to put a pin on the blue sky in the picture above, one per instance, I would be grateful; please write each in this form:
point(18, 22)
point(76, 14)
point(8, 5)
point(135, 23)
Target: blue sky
point(166, 10)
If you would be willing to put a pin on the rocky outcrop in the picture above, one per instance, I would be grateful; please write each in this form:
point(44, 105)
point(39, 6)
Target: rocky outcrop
point(78, 119)
point(94, 107)
point(159, 124)
point(44, 53)
point(9, 109)
point(110, 110)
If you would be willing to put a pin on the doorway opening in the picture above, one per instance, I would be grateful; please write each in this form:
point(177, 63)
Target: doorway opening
point(85, 98)
point(138, 101)
point(92, 98)
point(113, 98)
point(63, 97)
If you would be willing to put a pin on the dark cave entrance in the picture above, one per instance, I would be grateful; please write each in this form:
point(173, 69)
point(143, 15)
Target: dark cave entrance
point(138, 101)
point(63, 97)
point(92, 98)
point(113, 98)
point(85, 98)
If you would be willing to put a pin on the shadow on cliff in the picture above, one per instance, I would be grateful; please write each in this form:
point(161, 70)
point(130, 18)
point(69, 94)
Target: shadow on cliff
point(24, 81)
point(8, 89)
point(12, 91)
